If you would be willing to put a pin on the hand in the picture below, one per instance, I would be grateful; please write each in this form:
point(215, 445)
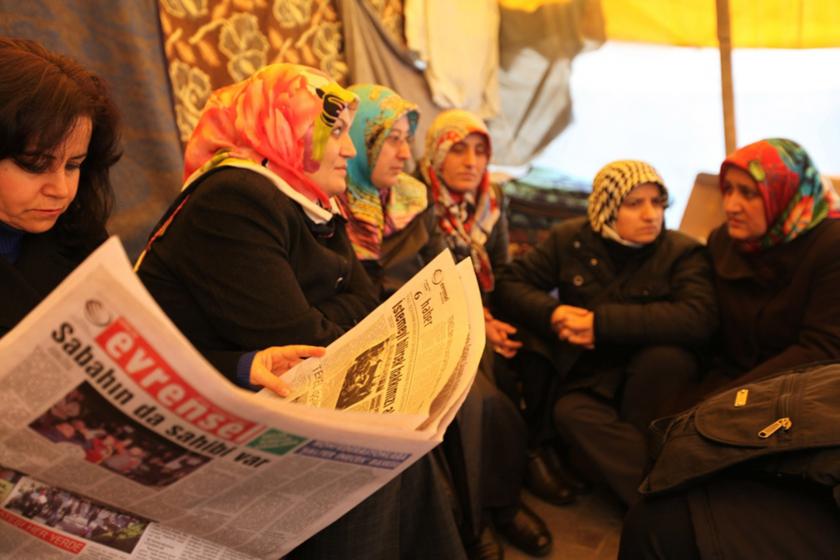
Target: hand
point(271, 363)
point(499, 333)
point(575, 325)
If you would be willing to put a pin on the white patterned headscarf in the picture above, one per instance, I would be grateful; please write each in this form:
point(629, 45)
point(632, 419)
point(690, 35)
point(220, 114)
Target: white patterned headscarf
point(611, 185)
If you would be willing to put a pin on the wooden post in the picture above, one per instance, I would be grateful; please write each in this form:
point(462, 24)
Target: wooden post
point(727, 91)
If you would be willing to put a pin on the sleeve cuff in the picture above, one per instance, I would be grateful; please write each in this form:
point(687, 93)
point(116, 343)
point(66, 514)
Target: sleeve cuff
point(243, 371)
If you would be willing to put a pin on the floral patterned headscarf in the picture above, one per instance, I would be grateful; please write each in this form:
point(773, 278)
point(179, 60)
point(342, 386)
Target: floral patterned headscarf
point(280, 118)
point(795, 197)
point(372, 214)
point(466, 221)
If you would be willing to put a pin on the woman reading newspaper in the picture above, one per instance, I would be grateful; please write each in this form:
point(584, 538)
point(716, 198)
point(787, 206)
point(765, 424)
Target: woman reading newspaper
point(58, 142)
point(253, 254)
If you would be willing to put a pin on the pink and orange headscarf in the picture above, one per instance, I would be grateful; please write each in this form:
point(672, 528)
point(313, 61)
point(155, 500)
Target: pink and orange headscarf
point(280, 117)
point(796, 198)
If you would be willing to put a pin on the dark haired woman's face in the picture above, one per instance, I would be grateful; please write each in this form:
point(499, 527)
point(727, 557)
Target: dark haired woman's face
point(32, 199)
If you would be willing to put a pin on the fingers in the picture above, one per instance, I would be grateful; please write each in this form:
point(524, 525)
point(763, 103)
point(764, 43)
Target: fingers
point(269, 364)
point(282, 358)
point(505, 328)
point(261, 375)
point(506, 352)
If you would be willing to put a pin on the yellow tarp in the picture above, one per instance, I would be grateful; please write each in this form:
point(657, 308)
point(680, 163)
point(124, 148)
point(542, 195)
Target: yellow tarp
point(788, 24)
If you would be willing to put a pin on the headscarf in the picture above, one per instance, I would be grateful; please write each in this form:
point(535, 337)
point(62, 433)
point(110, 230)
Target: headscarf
point(373, 214)
point(465, 220)
point(610, 187)
point(275, 123)
point(279, 118)
point(795, 197)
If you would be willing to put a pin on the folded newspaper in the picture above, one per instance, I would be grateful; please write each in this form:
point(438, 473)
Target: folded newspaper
point(119, 440)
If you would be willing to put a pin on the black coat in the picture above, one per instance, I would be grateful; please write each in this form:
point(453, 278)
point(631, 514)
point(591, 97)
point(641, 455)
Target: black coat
point(242, 268)
point(44, 261)
point(405, 253)
point(661, 295)
point(780, 307)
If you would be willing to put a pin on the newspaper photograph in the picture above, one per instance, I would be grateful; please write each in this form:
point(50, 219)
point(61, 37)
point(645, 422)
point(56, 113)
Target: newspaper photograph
point(118, 439)
point(398, 360)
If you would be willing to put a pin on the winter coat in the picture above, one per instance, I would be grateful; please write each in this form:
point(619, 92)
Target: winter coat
point(45, 260)
point(662, 295)
point(780, 307)
point(243, 268)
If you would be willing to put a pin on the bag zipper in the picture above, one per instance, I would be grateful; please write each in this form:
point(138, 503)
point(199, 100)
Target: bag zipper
point(783, 422)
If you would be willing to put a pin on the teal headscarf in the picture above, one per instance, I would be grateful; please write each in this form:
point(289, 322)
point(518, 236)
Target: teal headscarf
point(371, 214)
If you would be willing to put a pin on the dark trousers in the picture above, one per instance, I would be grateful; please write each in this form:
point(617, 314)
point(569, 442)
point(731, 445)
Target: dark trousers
point(611, 434)
point(490, 454)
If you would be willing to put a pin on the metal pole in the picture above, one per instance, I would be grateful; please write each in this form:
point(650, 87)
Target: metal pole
point(727, 91)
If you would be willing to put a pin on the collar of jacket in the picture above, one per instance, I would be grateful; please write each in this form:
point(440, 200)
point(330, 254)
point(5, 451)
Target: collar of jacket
point(591, 244)
point(770, 266)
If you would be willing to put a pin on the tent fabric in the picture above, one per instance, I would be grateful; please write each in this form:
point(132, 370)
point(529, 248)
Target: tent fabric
point(121, 42)
point(537, 48)
point(459, 42)
point(375, 56)
point(788, 24)
point(212, 44)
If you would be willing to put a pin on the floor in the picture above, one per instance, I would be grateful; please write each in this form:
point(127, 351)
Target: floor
point(586, 530)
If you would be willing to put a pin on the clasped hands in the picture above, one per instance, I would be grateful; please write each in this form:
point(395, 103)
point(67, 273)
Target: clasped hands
point(499, 333)
point(575, 325)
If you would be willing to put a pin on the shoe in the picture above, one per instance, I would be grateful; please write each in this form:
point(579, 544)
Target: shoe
point(527, 532)
point(565, 472)
point(487, 546)
point(541, 481)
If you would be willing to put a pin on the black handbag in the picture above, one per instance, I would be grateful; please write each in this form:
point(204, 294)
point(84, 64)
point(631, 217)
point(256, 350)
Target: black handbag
point(788, 424)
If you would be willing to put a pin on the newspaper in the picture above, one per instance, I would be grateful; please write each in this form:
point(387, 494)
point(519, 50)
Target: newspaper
point(119, 440)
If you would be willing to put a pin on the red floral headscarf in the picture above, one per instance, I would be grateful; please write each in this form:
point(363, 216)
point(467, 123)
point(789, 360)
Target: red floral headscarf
point(795, 197)
point(280, 117)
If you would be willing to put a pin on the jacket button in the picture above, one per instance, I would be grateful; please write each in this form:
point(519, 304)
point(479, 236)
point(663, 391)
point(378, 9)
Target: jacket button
point(339, 281)
point(576, 244)
point(577, 280)
point(593, 261)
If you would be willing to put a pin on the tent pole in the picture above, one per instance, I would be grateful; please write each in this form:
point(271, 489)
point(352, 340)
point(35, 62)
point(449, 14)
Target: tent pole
point(727, 91)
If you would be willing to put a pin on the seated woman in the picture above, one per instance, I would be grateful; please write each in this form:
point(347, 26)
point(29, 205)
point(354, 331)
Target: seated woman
point(390, 221)
point(777, 268)
point(632, 300)
point(59, 140)
point(252, 254)
point(393, 227)
point(470, 214)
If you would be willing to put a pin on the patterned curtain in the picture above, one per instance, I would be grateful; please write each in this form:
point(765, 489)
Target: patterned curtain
point(213, 43)
point(121, 42)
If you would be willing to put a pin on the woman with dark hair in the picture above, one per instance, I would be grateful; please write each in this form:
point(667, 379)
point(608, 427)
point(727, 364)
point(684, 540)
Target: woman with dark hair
point(619, 304)
point(253, 253)
point(58, 141)
point(777, 271)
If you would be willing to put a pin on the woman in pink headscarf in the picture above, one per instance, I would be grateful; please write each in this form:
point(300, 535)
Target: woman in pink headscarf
point(253, 254)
